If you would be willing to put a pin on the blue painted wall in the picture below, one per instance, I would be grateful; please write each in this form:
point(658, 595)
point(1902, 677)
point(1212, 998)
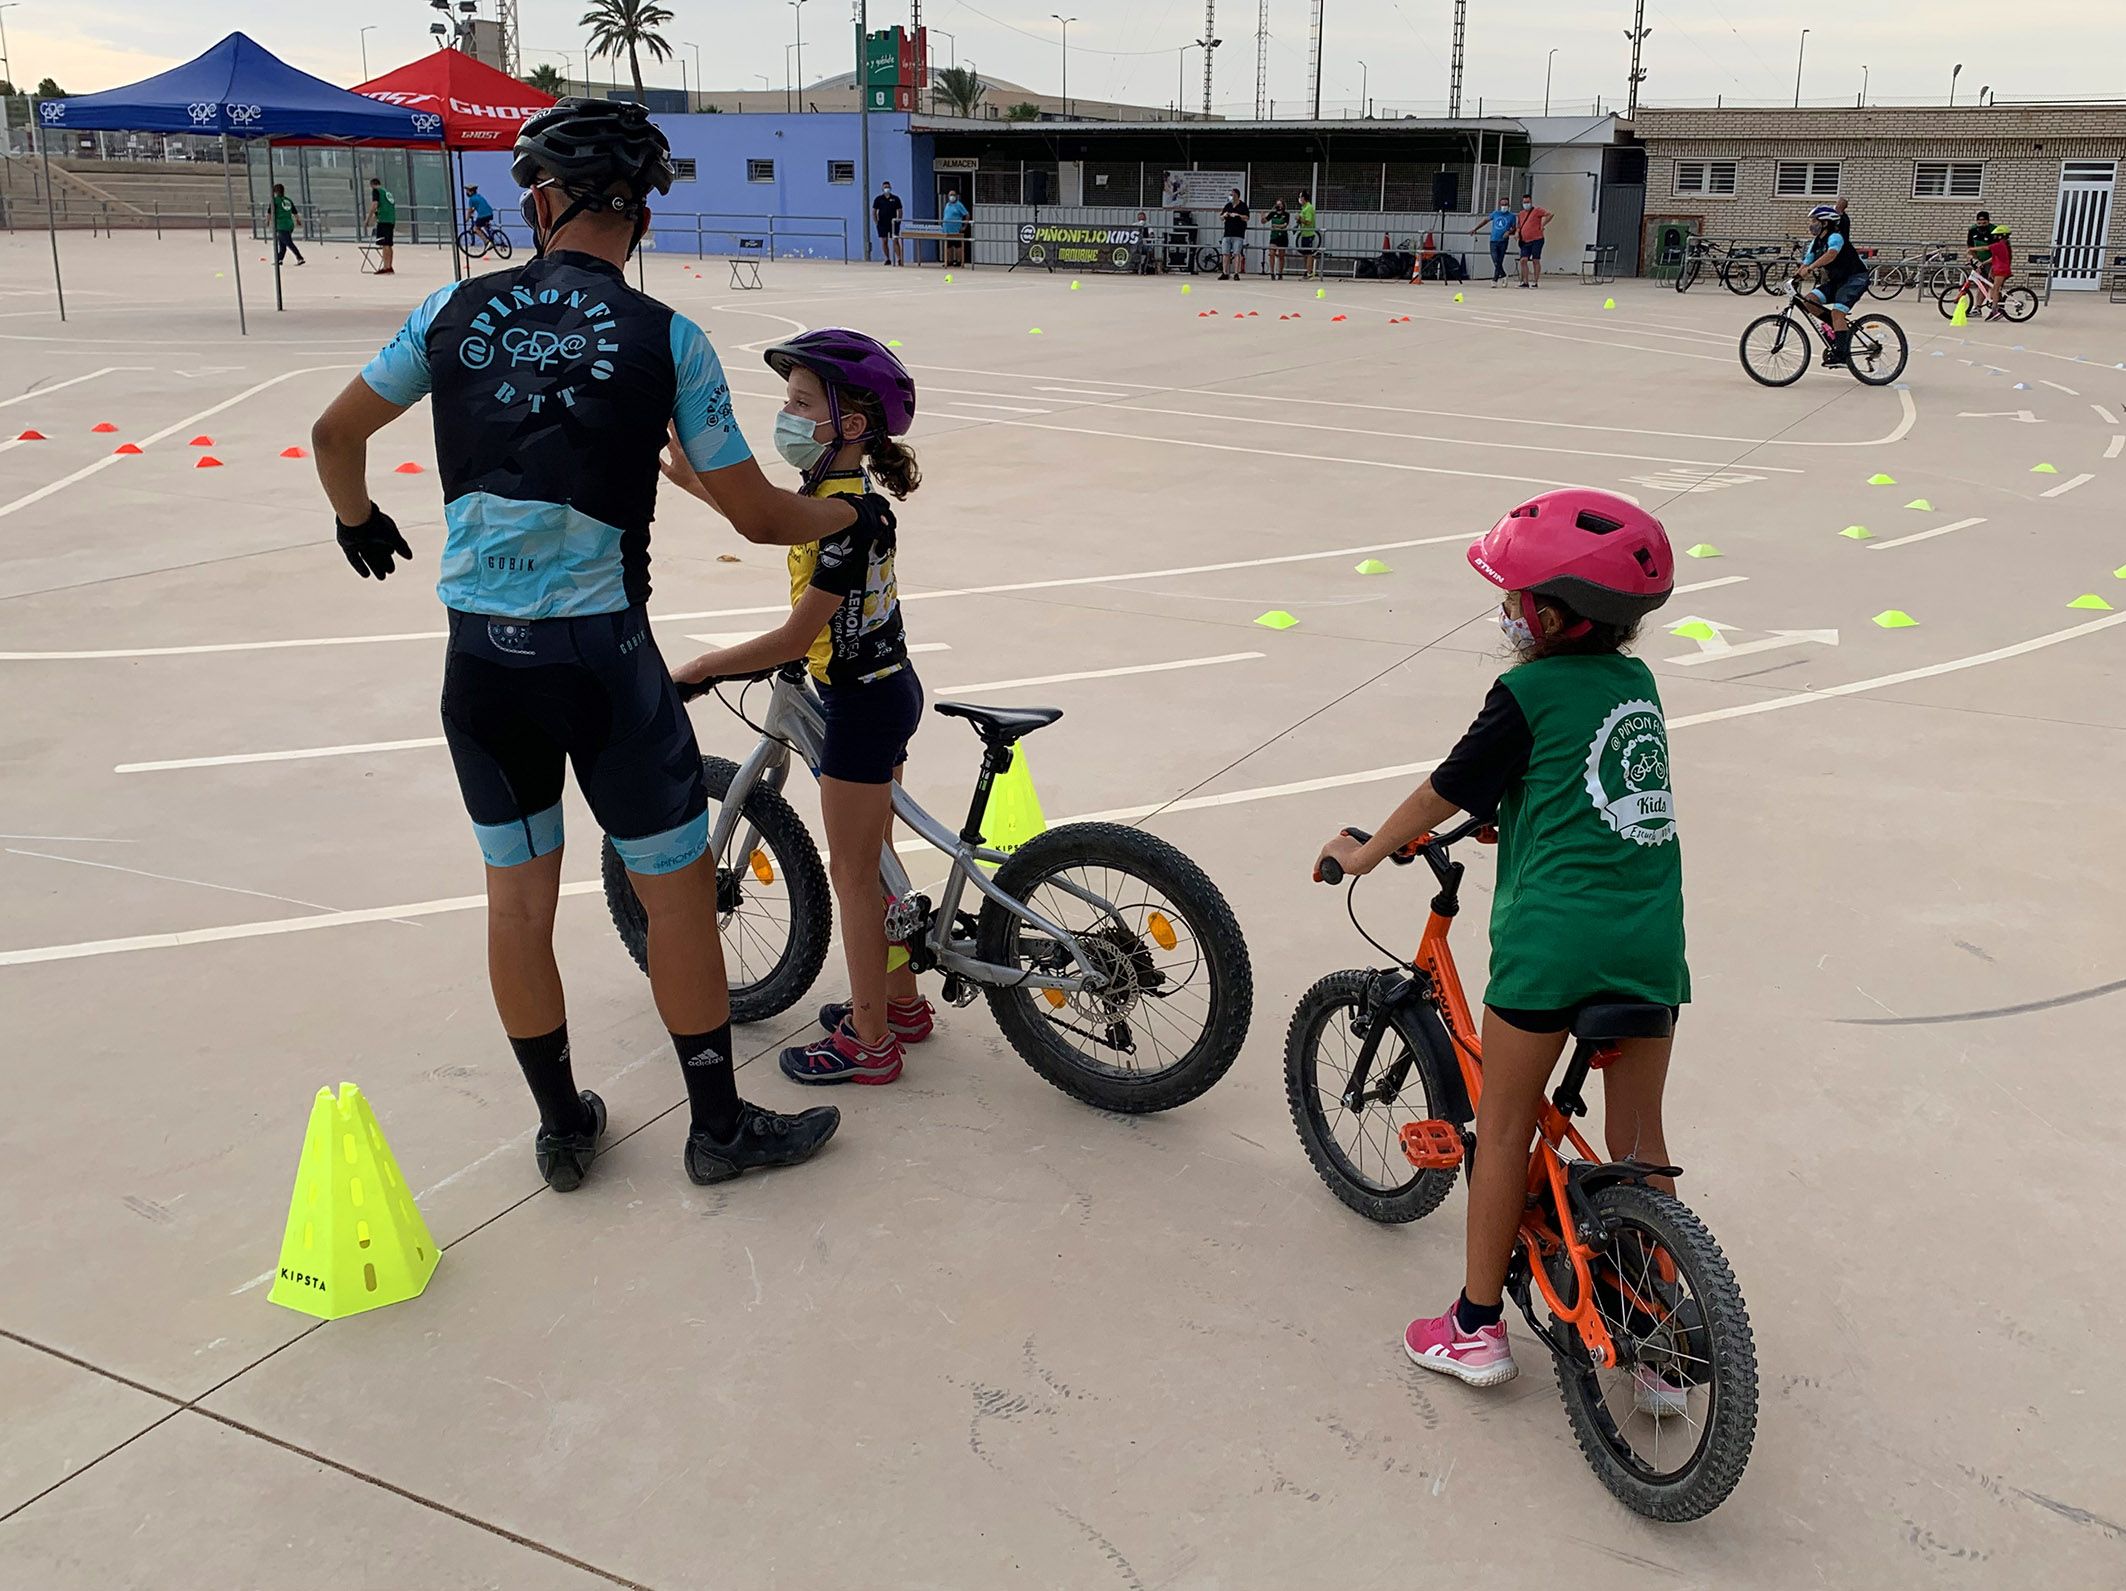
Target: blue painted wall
point(799, 145)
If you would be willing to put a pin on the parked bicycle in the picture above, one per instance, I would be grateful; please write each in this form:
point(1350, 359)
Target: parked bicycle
point(1740, 270)
point(1930, 271)
point(1383, 1076)
point(484, 237)
point(1775, 348)
point(1110, 961)
point(1974, 290)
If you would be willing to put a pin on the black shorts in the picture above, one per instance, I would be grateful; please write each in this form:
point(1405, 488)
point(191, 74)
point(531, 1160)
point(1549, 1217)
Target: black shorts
point(1560, 1019)
point(1279, 240)
point(1309, 242)
point(384, 229)
point(523, 696)
point(869, 727)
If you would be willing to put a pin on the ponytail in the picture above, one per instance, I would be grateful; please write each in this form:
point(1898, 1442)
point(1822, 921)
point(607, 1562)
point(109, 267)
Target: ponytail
point(892, 464)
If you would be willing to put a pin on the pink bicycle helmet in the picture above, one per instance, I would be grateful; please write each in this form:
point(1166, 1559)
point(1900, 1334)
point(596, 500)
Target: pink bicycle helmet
point(1605, 558)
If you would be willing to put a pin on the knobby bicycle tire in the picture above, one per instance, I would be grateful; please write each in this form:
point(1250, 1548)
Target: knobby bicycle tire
point(1788, 331)
point(1419, 1193)
point(1032, 1025)
point(1722, 1330)
point(1877, 351)
point(794, 858)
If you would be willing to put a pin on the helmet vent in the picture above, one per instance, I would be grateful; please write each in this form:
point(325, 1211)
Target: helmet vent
point(1599, 524)
point(1646, 562)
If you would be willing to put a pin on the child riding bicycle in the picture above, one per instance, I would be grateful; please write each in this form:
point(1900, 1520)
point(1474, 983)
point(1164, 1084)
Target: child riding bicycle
point(847, 400)
point(1831, 256)
point(479, 214)
point(1570, 751)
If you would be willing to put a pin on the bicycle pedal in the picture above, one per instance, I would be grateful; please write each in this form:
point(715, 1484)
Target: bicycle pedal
point(1432, 1145)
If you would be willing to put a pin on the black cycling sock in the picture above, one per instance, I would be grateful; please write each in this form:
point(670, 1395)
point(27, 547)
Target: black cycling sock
point(1473, 1317)
point(553, 1081)
point(712, 1086)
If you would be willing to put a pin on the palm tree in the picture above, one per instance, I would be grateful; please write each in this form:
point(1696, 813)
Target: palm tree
point(547, 79)
point(959, 88)
point(630, 26)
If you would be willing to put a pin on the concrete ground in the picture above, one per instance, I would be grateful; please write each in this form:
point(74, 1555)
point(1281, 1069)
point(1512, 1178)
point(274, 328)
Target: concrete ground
point(992, 1337)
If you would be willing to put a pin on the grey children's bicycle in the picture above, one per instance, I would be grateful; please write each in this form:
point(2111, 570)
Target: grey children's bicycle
point(1111, 962)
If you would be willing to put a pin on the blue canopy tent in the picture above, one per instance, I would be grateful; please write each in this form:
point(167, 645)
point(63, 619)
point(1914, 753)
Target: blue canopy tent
point(238, 89)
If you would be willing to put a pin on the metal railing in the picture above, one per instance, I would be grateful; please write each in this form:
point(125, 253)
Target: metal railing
point(774, 237)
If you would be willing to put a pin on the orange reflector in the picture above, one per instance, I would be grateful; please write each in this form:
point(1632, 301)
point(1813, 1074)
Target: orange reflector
point(1161, 930)
point(763, 869)
point(1054, 997)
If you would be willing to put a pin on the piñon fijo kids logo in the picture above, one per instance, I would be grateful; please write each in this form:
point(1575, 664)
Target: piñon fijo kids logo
point(1627, 774)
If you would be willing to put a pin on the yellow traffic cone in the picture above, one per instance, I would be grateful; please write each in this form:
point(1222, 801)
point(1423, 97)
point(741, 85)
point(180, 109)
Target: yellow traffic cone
point(355, 1239)
point(1962, 316)
point(1014, 813)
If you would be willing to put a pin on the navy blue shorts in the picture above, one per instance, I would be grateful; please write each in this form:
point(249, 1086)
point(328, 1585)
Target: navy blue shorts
point(1846, 294)
point(869, 727)
point(521, 697)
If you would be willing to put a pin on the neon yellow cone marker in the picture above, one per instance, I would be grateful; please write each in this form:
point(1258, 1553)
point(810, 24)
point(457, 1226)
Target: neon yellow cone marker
point(1895, 619)
point(1704, 549)
point(1276, 619)
point(1856, 533)
point(2043, 469)
point(2089, 599)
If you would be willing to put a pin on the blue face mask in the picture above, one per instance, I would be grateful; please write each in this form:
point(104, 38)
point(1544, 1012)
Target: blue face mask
point(795, 441)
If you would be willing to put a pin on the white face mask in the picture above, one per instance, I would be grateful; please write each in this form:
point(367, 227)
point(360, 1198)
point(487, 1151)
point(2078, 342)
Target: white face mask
point(1516, 629)
point(796, 442)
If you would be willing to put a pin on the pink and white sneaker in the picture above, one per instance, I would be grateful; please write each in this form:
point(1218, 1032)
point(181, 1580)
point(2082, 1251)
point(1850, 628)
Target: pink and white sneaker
point(1483, 1358)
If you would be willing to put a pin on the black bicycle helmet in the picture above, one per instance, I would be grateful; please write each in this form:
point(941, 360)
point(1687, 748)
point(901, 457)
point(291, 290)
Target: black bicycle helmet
point(587, 145)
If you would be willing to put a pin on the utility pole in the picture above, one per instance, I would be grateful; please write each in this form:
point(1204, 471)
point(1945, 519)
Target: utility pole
point(1638, 36)
point(512, 35)
point(1262, 58)
point(860, 14)
point(1454, 75)
point(1314, 58)
point(1211, 41)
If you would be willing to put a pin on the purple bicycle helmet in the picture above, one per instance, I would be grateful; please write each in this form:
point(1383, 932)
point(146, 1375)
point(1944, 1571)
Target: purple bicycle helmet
point(843, 358)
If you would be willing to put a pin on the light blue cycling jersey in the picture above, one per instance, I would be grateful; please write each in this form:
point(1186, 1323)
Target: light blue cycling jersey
point(553, 386)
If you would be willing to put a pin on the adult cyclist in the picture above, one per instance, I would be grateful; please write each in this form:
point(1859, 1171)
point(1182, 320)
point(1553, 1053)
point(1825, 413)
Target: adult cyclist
point(555, 384)
point(1841, 276)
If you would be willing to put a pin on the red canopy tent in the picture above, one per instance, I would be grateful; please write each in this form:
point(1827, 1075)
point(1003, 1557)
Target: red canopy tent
point(481, 108)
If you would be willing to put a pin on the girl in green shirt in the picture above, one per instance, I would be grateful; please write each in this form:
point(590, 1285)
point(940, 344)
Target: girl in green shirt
point(1570, 752)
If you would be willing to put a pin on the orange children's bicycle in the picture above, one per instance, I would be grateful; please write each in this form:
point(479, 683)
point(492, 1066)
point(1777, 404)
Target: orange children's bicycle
point(1648, 1330)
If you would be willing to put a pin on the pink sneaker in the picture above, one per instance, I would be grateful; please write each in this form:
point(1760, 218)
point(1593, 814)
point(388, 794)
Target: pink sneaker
point(1482, 1358)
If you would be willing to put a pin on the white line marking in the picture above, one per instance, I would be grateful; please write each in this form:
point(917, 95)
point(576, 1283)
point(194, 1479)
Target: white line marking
point(1101, 673)
point(2056, 387)
point(1008, 408)
point(1708, 585)
point(2022, 415)
point(740, 613)
point(186, 424)
point(71, 381)
point(430, 742)
point(2068, 485)
point(1073, 392)
point(294, 925)
point(69, 839)
point(734, 637)
point(1924, 535)
point(2115, 447)
point(2105, 414)
point(1771, 643)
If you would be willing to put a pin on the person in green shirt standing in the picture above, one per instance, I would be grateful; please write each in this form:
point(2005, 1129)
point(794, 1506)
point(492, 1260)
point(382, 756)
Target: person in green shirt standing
point(1309, 238)
point(384, 215)
point(284, 227)
point(1570, 754)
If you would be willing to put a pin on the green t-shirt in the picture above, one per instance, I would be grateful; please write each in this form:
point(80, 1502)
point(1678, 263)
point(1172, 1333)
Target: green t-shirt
point(1306, 220)
point(283, 213)
point(1590, 874)
point(387, 208)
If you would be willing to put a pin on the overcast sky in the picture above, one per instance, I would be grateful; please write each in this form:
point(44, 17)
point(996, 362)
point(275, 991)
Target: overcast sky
point(1126, 49)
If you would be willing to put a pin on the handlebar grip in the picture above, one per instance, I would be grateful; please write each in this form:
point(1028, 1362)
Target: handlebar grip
point(1329, 871)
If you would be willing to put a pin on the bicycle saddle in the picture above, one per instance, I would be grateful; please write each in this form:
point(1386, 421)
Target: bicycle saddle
point(1003, 724)
point(1603, 1023)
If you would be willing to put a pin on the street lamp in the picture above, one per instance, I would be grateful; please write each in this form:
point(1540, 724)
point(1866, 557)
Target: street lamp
point(1549, 61)
point(1798, 55)
point(797, 10)
point(1983, 95)
point(955, 53)
point(697, 71)
point(363, 36)
point(1066, 21)
point(1863, 83)
point(1207, 45)
point(1363, 82)
point(7, 70)
point(1953, 76)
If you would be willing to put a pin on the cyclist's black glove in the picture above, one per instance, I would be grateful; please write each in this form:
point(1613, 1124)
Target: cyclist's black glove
point(370, 545)
point(874, 513)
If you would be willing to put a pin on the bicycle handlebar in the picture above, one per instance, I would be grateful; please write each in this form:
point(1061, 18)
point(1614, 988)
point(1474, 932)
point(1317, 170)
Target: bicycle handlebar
point(1433, 847)
point(695, 690)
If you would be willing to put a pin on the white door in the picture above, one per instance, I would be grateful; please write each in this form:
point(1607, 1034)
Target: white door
point(2083, 228)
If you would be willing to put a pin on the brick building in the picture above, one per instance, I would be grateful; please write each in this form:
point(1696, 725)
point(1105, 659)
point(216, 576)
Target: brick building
point(1910, 174)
